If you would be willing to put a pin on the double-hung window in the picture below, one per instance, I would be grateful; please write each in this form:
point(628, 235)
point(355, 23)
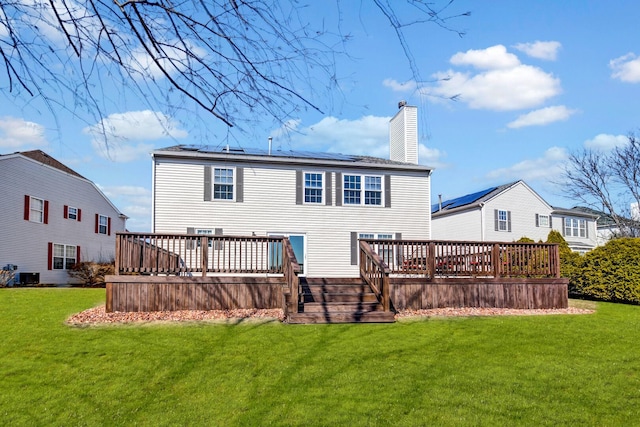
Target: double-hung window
point(223, 184)
point(543, 220)
point(384, 250)
point(312, 187)
point(64, 256)
point(103, 224)
point(36, 210)
point(574, 227)
point(72, 213)
point(502, 220)
point(362, 190)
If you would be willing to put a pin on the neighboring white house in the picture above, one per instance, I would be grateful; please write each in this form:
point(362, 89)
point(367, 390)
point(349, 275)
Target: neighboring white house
point(508, 212)
point(324, 202)
point(51, 217)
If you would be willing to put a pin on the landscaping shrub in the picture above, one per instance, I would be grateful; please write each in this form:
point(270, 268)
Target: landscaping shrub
point(570, 261)
point(91, 274)
point(611, 272)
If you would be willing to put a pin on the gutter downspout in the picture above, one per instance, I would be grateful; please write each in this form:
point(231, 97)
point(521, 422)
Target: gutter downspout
point(482, 220)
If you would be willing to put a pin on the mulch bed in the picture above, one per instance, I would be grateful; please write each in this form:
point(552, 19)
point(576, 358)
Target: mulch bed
point(98, 315)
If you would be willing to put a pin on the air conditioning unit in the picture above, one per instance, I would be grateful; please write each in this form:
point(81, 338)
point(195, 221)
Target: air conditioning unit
point(29, 278)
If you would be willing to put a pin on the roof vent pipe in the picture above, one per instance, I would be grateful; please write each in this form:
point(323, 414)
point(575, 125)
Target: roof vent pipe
point(270, 140)
point(439, 202)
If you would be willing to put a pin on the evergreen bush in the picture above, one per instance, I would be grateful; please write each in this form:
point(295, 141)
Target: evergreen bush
point(611, 272)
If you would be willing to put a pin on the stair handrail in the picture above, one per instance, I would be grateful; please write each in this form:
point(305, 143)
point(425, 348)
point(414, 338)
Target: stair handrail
point(375, 272)
point(290, 270)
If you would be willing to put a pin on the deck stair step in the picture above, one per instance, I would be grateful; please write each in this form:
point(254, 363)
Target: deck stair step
point(338, 300)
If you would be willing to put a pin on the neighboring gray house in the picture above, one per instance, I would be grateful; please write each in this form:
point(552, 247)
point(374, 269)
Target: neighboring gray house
point(508, 212)
point(324, 202)
point(51, 217)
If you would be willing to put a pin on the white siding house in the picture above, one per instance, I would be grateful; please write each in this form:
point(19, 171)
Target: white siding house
point(508, 212)
point(52, 217)
point(324, 202)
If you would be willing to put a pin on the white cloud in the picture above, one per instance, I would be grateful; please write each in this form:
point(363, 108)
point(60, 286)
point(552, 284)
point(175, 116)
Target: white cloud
point(133, 201)
point(544, 168)
point(491, 58)
point(542, 117)
point(626, 68)
point(396, 86)
point(503, 84)
point(368, 135)
point(125, 137)
point(173, 59)
point(605, 142)
point(16, 133)
point(431, 157)
point(541, 50)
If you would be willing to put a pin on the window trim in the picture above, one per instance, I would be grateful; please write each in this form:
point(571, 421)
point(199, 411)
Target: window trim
point(580, 230)
point(321, 188)
point(362, 190)
point(65, 258)
point(233, 183)
point(106, 225)
point(30, 212)
point(498, 220)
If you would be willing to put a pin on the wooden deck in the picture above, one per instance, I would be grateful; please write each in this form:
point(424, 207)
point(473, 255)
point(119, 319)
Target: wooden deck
point(195, 272)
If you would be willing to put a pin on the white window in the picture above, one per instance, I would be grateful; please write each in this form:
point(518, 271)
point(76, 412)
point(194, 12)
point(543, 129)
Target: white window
point(362, 190)
point(72, 213)
point(222, 184)
point(64, 256)
point(36, 210)
point(205, 232)
point(543, 220)
point(574, 227)
point(103, 224)
point(503, 220)
point(312, 187)
point(384, 250)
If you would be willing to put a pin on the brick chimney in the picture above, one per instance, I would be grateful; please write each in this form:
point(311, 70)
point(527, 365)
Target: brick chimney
point(403, 134)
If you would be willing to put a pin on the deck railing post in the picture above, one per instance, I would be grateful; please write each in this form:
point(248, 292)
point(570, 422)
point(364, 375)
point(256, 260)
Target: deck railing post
point(204, 261)
point(431, 260)
point(118, 253)
point(495, 255)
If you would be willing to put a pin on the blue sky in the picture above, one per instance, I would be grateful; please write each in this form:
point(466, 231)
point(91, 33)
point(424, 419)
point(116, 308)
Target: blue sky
point(535, 81)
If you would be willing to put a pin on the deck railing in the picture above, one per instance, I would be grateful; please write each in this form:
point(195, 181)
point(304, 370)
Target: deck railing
point(468, 259)
point(190, 254)
point(290, 269)
point(375, 273)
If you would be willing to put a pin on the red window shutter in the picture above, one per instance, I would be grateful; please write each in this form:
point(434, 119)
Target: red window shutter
point(66, 211)
point(79, 214)
point(77, 254)
point(27, 207)
point(50, 256)
point(109, 226)
point(46, 212)
point(97, 224)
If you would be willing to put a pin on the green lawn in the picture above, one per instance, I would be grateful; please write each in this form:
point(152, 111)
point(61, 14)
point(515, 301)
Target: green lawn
point(538, 370)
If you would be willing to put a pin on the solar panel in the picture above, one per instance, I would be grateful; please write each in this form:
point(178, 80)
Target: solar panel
point(252, 151)
point(464, 200)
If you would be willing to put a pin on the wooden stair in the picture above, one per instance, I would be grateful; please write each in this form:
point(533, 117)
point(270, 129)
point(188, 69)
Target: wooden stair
point(338, 301)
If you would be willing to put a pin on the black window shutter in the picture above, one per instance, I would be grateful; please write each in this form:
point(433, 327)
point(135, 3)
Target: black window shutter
point(239, 185)
point(509, 221)
point(550, 224)
point(354, 248)
point(387, 191)
point(338, 189)
point(495, 216)
point(207, 183)
point(537, 220)
point(298, 187)
point(327, 189)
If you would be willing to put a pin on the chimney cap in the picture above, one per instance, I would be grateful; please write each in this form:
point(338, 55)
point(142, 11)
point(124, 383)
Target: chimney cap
point(402, 103)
